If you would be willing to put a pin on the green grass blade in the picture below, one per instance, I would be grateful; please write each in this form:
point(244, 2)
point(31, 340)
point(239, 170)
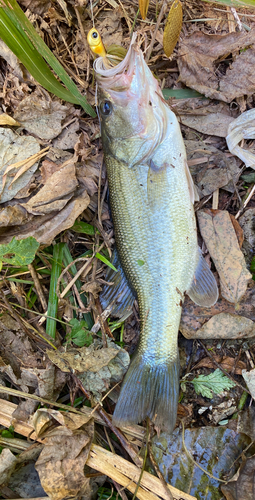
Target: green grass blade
point(18, 33)
point(180, 93)
point(105, 261)
point(67, 259)
point(58, 252)
point(233, 3)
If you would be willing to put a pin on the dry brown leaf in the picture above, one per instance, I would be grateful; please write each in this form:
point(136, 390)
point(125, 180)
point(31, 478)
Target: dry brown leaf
point(172, 28)
point(110, 28)
point(194, 317)
point(47, 169)
point(211, 124)
point(68, 137)
point(43, 418)
point(23, 166)
point(25, 367)
point(12, 60)
point(8, 462)
point(41, 116)
point(226, 362)
point(204, 115)
point(8, 120)
point(211, 168)
point(247, 224)
point(238, 230)
point(240, 77)
point(12, 148)
point(242, 128)
point(223, 326)
point(61, 463)
point(198, 54)
point(243, 486)
point(56, 192)
point(221, 240)
point(44, 228)
point(13, 216)
point(97, 367)
point(36, 6)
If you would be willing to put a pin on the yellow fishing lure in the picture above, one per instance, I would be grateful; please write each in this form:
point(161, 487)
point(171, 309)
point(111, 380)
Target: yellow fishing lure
point(95, 43)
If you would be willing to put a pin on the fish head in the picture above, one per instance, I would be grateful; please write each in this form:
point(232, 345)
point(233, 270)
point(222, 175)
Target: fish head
point(131, 108)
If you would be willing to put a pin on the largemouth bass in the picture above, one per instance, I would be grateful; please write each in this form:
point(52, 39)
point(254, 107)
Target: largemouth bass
point(151, 200)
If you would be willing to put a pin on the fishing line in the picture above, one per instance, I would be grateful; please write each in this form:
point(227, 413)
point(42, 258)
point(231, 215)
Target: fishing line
point(92, 15)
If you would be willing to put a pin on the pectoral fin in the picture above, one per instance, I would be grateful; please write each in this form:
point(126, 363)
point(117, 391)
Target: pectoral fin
point(119, 291)
point(192, 188)
point(204, 289)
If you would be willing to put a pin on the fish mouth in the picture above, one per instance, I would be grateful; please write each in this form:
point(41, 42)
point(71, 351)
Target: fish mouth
point(118, 78)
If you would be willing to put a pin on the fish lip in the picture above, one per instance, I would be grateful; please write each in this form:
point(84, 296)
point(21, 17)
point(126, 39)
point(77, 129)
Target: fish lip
point(111, 79)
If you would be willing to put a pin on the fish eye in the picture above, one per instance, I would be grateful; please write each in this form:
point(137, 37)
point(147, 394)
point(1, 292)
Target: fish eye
point(94, 34)
point(106, 108)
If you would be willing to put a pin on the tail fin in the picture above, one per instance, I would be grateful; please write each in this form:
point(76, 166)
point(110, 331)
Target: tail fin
point(149, 391)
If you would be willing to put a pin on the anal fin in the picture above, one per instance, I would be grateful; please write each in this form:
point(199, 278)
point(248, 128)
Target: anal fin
point(119, 291)
point(204, 290)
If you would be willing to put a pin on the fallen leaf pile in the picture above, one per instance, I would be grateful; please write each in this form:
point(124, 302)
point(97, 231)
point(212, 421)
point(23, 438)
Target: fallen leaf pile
point(54, 195)
point(197, 62)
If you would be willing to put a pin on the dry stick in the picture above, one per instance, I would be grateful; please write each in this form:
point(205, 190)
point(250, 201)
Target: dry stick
point(222, 369)
point(77, 294)
point(118, 487)
point(160, 17)
point(144, 461)
point(245, 203)
point(159, 474)
point(126, 445)
point(116, 467)
point(82, 270)
point(136, 431)
point(24, 325)
point(38, 286)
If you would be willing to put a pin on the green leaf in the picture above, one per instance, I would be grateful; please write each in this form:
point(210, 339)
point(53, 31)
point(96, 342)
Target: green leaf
point(18, 33)
point(140, 262)
point(83, 227)
point(79, 334)
point(180, 93)
point(105, 261)
point(19, 252)
point(250, 178)
point(214, 382)
point(252, 268)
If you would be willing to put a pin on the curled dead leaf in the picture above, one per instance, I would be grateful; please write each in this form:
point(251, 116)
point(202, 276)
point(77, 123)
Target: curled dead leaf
point(226, 362)
point(199, 54)
point(8, 120)
point(242, 128)
point(219, 235)
point(96, 366)
point(243, 486)
point(61, 463)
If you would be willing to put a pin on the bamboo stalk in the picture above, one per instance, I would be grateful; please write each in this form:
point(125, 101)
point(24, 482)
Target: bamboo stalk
point(114, 466)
